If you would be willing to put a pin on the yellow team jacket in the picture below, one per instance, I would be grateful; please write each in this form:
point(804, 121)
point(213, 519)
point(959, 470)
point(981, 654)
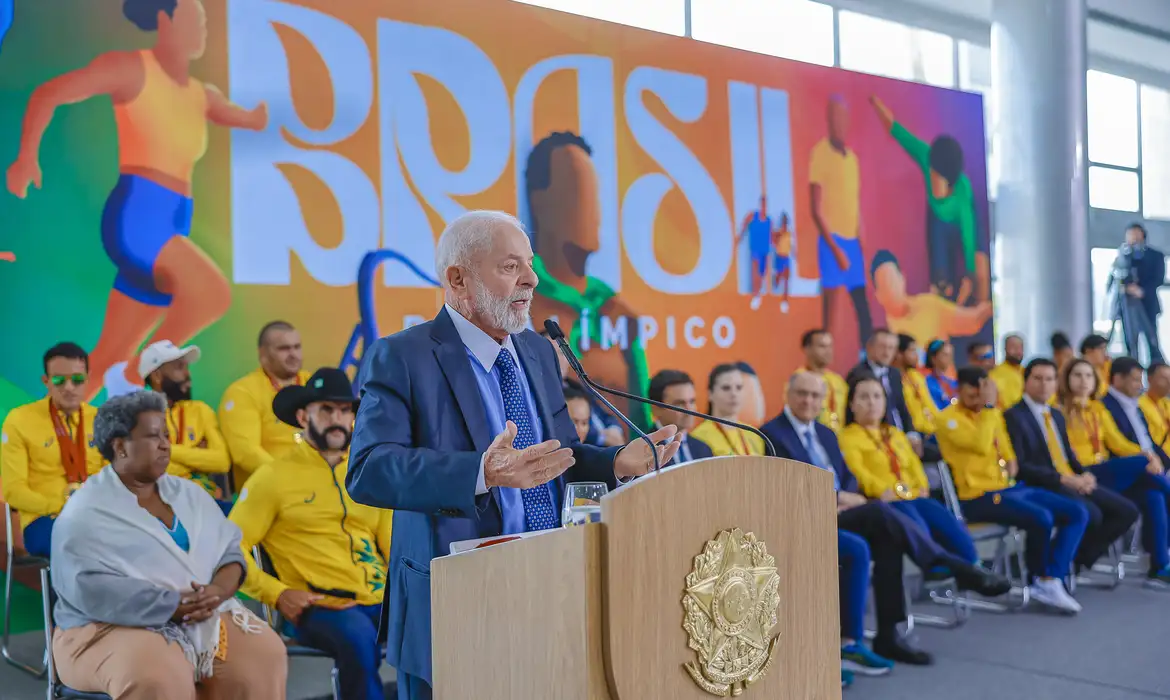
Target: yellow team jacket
point(1157, 413)
point(918, 401)
point(836, 396)
point(197, 446)
point(254, 435)
point(867, 458)
point(31, 471)
point(972, 444)
point(1094, 435)
point(1103, 378)
point(1009, 382)
point(726, 442)
point(318, 538)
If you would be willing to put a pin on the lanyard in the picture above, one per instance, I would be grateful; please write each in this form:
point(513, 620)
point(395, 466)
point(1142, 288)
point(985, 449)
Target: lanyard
point(884, 444)
point(742, 441)
point(180, 425)
point(71, 444)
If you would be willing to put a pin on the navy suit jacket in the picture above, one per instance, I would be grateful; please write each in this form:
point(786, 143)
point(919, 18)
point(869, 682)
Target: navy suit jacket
point(1127, 428)
point(788, 444)
point(1151, 275)
point(896, 399)
point(420, 433)
point(698, 448)
point(1031, 446)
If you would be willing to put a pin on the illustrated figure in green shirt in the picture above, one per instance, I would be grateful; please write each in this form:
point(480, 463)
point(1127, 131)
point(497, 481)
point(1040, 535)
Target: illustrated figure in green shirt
point(951, 233)
point(564, 222)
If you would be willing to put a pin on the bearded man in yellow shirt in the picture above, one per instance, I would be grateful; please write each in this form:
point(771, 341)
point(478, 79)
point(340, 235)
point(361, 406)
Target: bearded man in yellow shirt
point(817, 345)
point(1155, 403)
point(255, 436)
point(1009, 374)
point(46, 447)
point(330, 551)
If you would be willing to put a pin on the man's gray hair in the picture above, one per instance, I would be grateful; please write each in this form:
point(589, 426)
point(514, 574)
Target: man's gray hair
point(117, 417)
point(466, 236)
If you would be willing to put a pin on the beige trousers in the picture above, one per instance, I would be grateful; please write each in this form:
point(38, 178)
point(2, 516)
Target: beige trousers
point(128, 663)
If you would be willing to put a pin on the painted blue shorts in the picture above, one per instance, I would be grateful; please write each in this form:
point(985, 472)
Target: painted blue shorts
point(832, 276)
point(139, 219)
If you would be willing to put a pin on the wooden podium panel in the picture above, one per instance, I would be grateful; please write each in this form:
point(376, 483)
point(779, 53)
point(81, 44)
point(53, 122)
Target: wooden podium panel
point(521, 620)
point(655, 529)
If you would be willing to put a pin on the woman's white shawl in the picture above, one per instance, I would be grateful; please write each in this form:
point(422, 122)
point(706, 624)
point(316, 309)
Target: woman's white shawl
point(114, 562)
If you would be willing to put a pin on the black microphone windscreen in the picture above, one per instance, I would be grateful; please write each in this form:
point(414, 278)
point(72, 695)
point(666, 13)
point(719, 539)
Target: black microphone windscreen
point(554, 329)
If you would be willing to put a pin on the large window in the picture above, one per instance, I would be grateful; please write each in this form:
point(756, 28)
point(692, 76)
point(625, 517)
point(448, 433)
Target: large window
point(882, 47)
point(666, 16)
point(1113, 142)
point(796, 29)
point(975, 75)
point(1155, 152)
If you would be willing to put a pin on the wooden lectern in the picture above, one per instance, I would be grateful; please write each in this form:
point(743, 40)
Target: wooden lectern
point(597, 612)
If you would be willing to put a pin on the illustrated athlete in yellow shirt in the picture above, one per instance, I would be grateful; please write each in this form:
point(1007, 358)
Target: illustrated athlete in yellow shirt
point(924, 317)
point(164, 281)
point(834, 178)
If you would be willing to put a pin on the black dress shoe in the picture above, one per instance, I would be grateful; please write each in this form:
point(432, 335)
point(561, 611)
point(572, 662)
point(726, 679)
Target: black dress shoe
point(986, 583)
point(898, 649)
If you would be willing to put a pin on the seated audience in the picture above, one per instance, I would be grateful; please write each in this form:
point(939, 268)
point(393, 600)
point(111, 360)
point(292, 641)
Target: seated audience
point(254, 436)
point(46, 447)
point(146, 568)
point(1155, 404)
point(885, 465)
point(981, 355)
point(940, 373)
point(725, 392)
point(1095, 349)
point(580, 410)
point(604, 429)
point(329, 555)
point(676, 388)
point(867, 529)
point(197, 447)
point(1040, 438)
point(1122, 403)
point(1062, 350)
point(918, 401)
point(817, 346)
point(976, 446)
point(1009, 374)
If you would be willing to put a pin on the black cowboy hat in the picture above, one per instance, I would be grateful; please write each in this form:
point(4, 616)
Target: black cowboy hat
point(326, 384)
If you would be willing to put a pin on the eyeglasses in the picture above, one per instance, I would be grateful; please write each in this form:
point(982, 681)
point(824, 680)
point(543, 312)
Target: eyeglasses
point(74, 379)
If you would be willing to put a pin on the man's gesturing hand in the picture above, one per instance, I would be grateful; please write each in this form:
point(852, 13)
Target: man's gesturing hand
point(504, 465)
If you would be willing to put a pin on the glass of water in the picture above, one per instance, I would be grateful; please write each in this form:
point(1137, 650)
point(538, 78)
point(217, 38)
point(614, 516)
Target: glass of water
point(583, 503)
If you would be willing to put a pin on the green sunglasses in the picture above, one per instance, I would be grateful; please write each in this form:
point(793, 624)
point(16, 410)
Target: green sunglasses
point(74, 379)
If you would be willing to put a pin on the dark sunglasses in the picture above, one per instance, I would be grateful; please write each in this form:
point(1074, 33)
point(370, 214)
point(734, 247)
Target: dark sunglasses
point(74, 379)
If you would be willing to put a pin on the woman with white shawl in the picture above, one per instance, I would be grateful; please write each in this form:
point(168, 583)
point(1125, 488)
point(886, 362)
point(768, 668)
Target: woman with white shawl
point(146, 569)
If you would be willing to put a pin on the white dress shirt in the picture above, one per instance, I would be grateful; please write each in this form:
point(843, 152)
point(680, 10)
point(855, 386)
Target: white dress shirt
point(807, 432)
point(1134, 413)
point(1039, 410)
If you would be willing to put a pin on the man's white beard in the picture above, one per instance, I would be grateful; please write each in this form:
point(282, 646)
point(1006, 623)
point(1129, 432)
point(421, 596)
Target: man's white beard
point(499, 311)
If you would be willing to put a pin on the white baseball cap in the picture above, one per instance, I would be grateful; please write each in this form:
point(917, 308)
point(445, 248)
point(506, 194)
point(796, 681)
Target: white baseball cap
point(158, 354)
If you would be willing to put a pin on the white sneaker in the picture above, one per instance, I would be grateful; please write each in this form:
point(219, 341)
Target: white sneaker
point(116, 383)
point(1051, 593)
point(756, 301)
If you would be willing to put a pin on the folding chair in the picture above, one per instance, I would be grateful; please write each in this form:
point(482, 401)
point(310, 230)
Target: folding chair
point(57, 689)
point(274, 619)
point(16, 561)
point(1009, 550)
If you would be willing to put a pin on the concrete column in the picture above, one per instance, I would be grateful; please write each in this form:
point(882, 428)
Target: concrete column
point(1041, 260)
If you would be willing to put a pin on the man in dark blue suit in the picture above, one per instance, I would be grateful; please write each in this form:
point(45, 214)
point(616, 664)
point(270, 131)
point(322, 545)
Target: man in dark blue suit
point(1142, 480)
point(1046, 459)
point(798, 435)
point(433, 398)
point(676, 388)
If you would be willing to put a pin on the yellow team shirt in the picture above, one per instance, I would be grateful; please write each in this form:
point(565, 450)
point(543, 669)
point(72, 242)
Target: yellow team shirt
point(725, 441)
point(928, 318)
point(1009, 383)
point(1094, 435)
point(1103, 378)
point(254, 435)
point(1157, 413)
point(868, 456)
point(918, 401)
point(836, 397)
point(31, 471)
point(318, 538)
point(197, 446)
point(973, 444)
point(839, 176)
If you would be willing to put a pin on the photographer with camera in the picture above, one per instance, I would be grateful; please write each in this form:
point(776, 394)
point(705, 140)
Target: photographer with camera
point(1137, 274)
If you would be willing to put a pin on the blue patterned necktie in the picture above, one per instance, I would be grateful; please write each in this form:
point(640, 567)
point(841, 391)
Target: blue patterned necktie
point(815, 456)
point(539, 513)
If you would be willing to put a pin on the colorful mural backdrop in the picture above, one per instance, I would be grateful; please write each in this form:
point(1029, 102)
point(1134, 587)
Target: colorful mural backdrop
point(689, 204)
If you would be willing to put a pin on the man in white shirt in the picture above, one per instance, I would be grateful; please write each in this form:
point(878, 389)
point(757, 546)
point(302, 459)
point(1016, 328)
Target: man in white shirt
point(676, 388)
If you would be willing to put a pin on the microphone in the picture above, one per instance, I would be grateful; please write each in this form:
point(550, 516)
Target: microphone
point(558, 336)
